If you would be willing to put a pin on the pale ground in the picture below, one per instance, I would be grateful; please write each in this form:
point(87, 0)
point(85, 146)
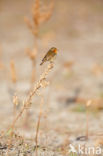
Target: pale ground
point(76, 29)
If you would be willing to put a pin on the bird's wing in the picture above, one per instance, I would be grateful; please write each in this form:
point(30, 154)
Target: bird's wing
point(45, 57)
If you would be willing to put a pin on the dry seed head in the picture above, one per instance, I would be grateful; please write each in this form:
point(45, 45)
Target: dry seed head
point(15, 100)
point(44, 75)
point(41, 15)
point(39, 84)
point(38, 93)
point(45, 15)
point(44, 84)
point(36, 12)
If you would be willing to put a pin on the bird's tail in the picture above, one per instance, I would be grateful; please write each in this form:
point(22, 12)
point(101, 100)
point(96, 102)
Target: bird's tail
point(41, 63)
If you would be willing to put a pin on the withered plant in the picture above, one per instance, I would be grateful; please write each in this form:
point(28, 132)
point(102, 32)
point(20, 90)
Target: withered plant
point(13, 72)
point(40, 14)
point(42, 83)
point(15, 103)
point(13, 92)
point(38, 125)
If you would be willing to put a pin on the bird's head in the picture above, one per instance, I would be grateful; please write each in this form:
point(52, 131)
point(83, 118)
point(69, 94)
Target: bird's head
point(54, 50)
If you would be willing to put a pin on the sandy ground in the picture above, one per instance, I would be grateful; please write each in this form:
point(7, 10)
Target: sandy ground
point(76, 30)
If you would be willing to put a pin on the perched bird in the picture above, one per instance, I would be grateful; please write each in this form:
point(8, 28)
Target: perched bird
point(50, 55)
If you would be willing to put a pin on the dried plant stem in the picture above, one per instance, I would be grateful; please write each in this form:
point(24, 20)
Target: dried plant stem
point(32, 55)
point(14, 81)
point(37, 127)
point(39, 16)
point(33, 76)
point(13, 72)
point(14, 110)
point(15, 103)
point(87, 118)
point(87, 126)
point(15, 120)
point(42, 83)
point(35, 52)
point(37, 132)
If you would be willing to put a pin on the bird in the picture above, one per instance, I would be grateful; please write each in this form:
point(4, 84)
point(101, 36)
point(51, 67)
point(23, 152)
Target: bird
point(50, 55)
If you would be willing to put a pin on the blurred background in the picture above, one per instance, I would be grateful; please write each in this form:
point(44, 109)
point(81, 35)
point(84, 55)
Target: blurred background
point(76, 29)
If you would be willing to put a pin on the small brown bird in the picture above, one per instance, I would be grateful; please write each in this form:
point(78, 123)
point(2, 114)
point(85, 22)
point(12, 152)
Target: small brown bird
point(50, 55)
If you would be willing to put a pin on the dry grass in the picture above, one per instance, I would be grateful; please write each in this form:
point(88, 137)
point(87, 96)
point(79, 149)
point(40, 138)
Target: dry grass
point(32, 56)
point(42, 83)
point(38, 125)
point(13, 71)
point(40, 15)
point(15, 103)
